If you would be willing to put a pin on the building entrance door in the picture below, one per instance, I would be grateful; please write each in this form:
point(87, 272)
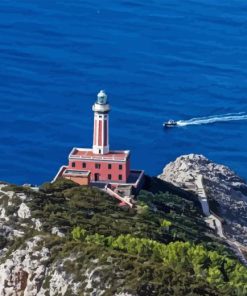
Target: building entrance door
point(96, 177)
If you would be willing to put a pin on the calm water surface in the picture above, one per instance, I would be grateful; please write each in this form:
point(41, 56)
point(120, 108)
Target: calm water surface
point(156, 59)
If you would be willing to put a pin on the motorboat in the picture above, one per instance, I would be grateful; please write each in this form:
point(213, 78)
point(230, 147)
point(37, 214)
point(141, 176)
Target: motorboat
point(170, 123)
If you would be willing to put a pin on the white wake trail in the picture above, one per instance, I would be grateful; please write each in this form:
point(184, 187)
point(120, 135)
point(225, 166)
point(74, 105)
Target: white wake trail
point(213, 119)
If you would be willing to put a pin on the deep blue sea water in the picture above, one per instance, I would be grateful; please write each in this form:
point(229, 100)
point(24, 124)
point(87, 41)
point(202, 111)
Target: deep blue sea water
point(156, 59)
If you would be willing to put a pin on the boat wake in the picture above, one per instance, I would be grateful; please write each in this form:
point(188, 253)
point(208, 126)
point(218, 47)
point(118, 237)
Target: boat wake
point(213, 119)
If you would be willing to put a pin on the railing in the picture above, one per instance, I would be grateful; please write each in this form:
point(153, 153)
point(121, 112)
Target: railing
point(98, 157)
point(125, 200)
point(61, 170)
point(136, 184)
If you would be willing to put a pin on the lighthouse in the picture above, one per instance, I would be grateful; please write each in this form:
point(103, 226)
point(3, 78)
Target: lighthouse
point(99, 165)
point(101, 110)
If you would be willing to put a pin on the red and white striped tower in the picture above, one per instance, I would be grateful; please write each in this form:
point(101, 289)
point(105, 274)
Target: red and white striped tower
point(101, 110)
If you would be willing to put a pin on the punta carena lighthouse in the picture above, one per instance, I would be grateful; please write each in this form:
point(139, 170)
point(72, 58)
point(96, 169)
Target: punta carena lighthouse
point(100, 165)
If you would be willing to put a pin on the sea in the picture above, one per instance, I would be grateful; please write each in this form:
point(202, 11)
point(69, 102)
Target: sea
point(157, 60)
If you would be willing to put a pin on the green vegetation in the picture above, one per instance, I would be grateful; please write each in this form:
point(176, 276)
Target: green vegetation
point(219, 271)
point(166, 224)
point(162, 247)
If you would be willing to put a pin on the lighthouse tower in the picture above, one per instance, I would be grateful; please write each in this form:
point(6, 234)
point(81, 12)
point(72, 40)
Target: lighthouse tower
point(98, 165)
point(101, 110)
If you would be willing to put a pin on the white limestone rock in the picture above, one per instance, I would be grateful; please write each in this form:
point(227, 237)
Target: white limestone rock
point(58, 283)
point(93, 282)
point(21, 196)
point(23, 272)
point(60, 280)
point(28, 270)
point(24, 211)
point(3, 215)
point(37, 224)
point(221, 184)
point(56, 231)
point(10, 194)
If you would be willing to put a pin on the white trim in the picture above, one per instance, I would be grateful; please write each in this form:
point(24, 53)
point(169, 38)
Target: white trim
point(63, 167)
point(97, 157)
point(69, 172)
point(90, 149)
point(140, 177)
point(94, 131)
point(97, 129)
point(108, 160)
point(101, 108)
point(125, 200)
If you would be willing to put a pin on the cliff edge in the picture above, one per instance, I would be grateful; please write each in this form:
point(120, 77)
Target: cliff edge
point(71, 240)
point(225, 190)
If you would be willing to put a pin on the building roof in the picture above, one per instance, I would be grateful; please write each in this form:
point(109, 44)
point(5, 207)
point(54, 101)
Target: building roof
point(87, 154)
point(76, 173)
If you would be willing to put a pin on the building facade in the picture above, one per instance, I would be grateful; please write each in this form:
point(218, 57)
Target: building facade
point(113, 166)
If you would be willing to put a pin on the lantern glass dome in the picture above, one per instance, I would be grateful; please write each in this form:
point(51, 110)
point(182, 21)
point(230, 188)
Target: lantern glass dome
point(102, 98)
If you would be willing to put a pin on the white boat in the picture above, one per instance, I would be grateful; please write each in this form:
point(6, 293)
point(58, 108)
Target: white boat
point(170, 123)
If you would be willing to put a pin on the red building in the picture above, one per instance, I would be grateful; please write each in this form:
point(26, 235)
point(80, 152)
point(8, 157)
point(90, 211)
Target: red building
point(99, 164)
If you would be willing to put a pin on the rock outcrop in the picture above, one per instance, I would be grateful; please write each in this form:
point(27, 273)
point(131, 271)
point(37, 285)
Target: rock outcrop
point(24, 271)
point(222, 186)
point(67, 239)
point(27, 270)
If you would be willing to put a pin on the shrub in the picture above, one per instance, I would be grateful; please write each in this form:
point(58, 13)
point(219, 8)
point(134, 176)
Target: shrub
point(59, 185)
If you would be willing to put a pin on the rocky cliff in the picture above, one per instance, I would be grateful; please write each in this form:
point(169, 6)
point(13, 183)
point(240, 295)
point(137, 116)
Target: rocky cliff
point(67, 240)
point(226, 192)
